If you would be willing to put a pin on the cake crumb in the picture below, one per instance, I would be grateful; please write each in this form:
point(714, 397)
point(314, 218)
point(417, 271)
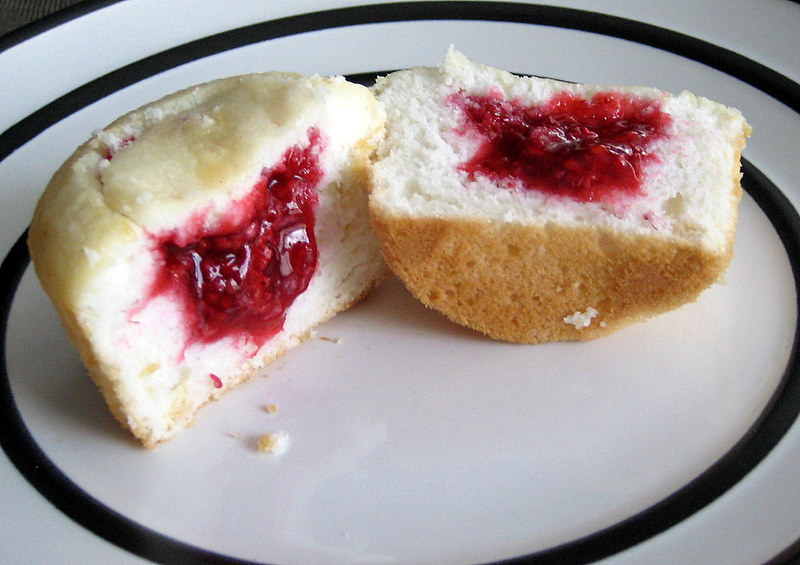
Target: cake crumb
point(154, 114)
point(581, 319)
point(274, 443)
point(336, 340)
point(92, 256)
point(271, 408)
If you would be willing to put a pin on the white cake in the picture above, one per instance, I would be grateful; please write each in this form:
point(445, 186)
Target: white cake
point(117, 229)
point(534, 253)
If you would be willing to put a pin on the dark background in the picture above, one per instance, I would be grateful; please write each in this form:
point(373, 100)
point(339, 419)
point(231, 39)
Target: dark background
point(16, 13)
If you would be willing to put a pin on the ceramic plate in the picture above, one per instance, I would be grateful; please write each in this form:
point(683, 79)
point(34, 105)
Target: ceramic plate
point(413, 440)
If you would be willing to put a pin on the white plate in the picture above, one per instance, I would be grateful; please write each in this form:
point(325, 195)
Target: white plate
point(414, 441)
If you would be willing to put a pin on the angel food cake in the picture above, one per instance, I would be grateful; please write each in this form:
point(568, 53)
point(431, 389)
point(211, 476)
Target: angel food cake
point(195, 239)
point(534, 210)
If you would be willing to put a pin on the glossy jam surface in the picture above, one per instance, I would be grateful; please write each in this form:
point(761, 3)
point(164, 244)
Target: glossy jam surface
point(590, 150)
point(241, 277)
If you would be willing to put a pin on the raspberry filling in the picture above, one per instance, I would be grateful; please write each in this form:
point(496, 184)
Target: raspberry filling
point(590, 150)
point(241, 277)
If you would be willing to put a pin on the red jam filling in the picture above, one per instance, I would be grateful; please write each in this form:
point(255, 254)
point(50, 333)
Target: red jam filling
point(217, 382)
point(590, 150)
point(241, 277)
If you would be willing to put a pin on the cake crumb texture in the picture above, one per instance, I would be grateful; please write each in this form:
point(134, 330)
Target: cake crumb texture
point(523, 265)
point(273, 443)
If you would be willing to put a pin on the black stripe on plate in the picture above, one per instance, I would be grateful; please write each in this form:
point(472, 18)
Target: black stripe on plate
point(750, 450)
point(776, 419)
point(23, 451)
point(770, 82)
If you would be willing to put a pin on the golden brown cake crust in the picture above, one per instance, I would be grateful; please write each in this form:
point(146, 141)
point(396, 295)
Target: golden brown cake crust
point(518, 283)
point(522, 266)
